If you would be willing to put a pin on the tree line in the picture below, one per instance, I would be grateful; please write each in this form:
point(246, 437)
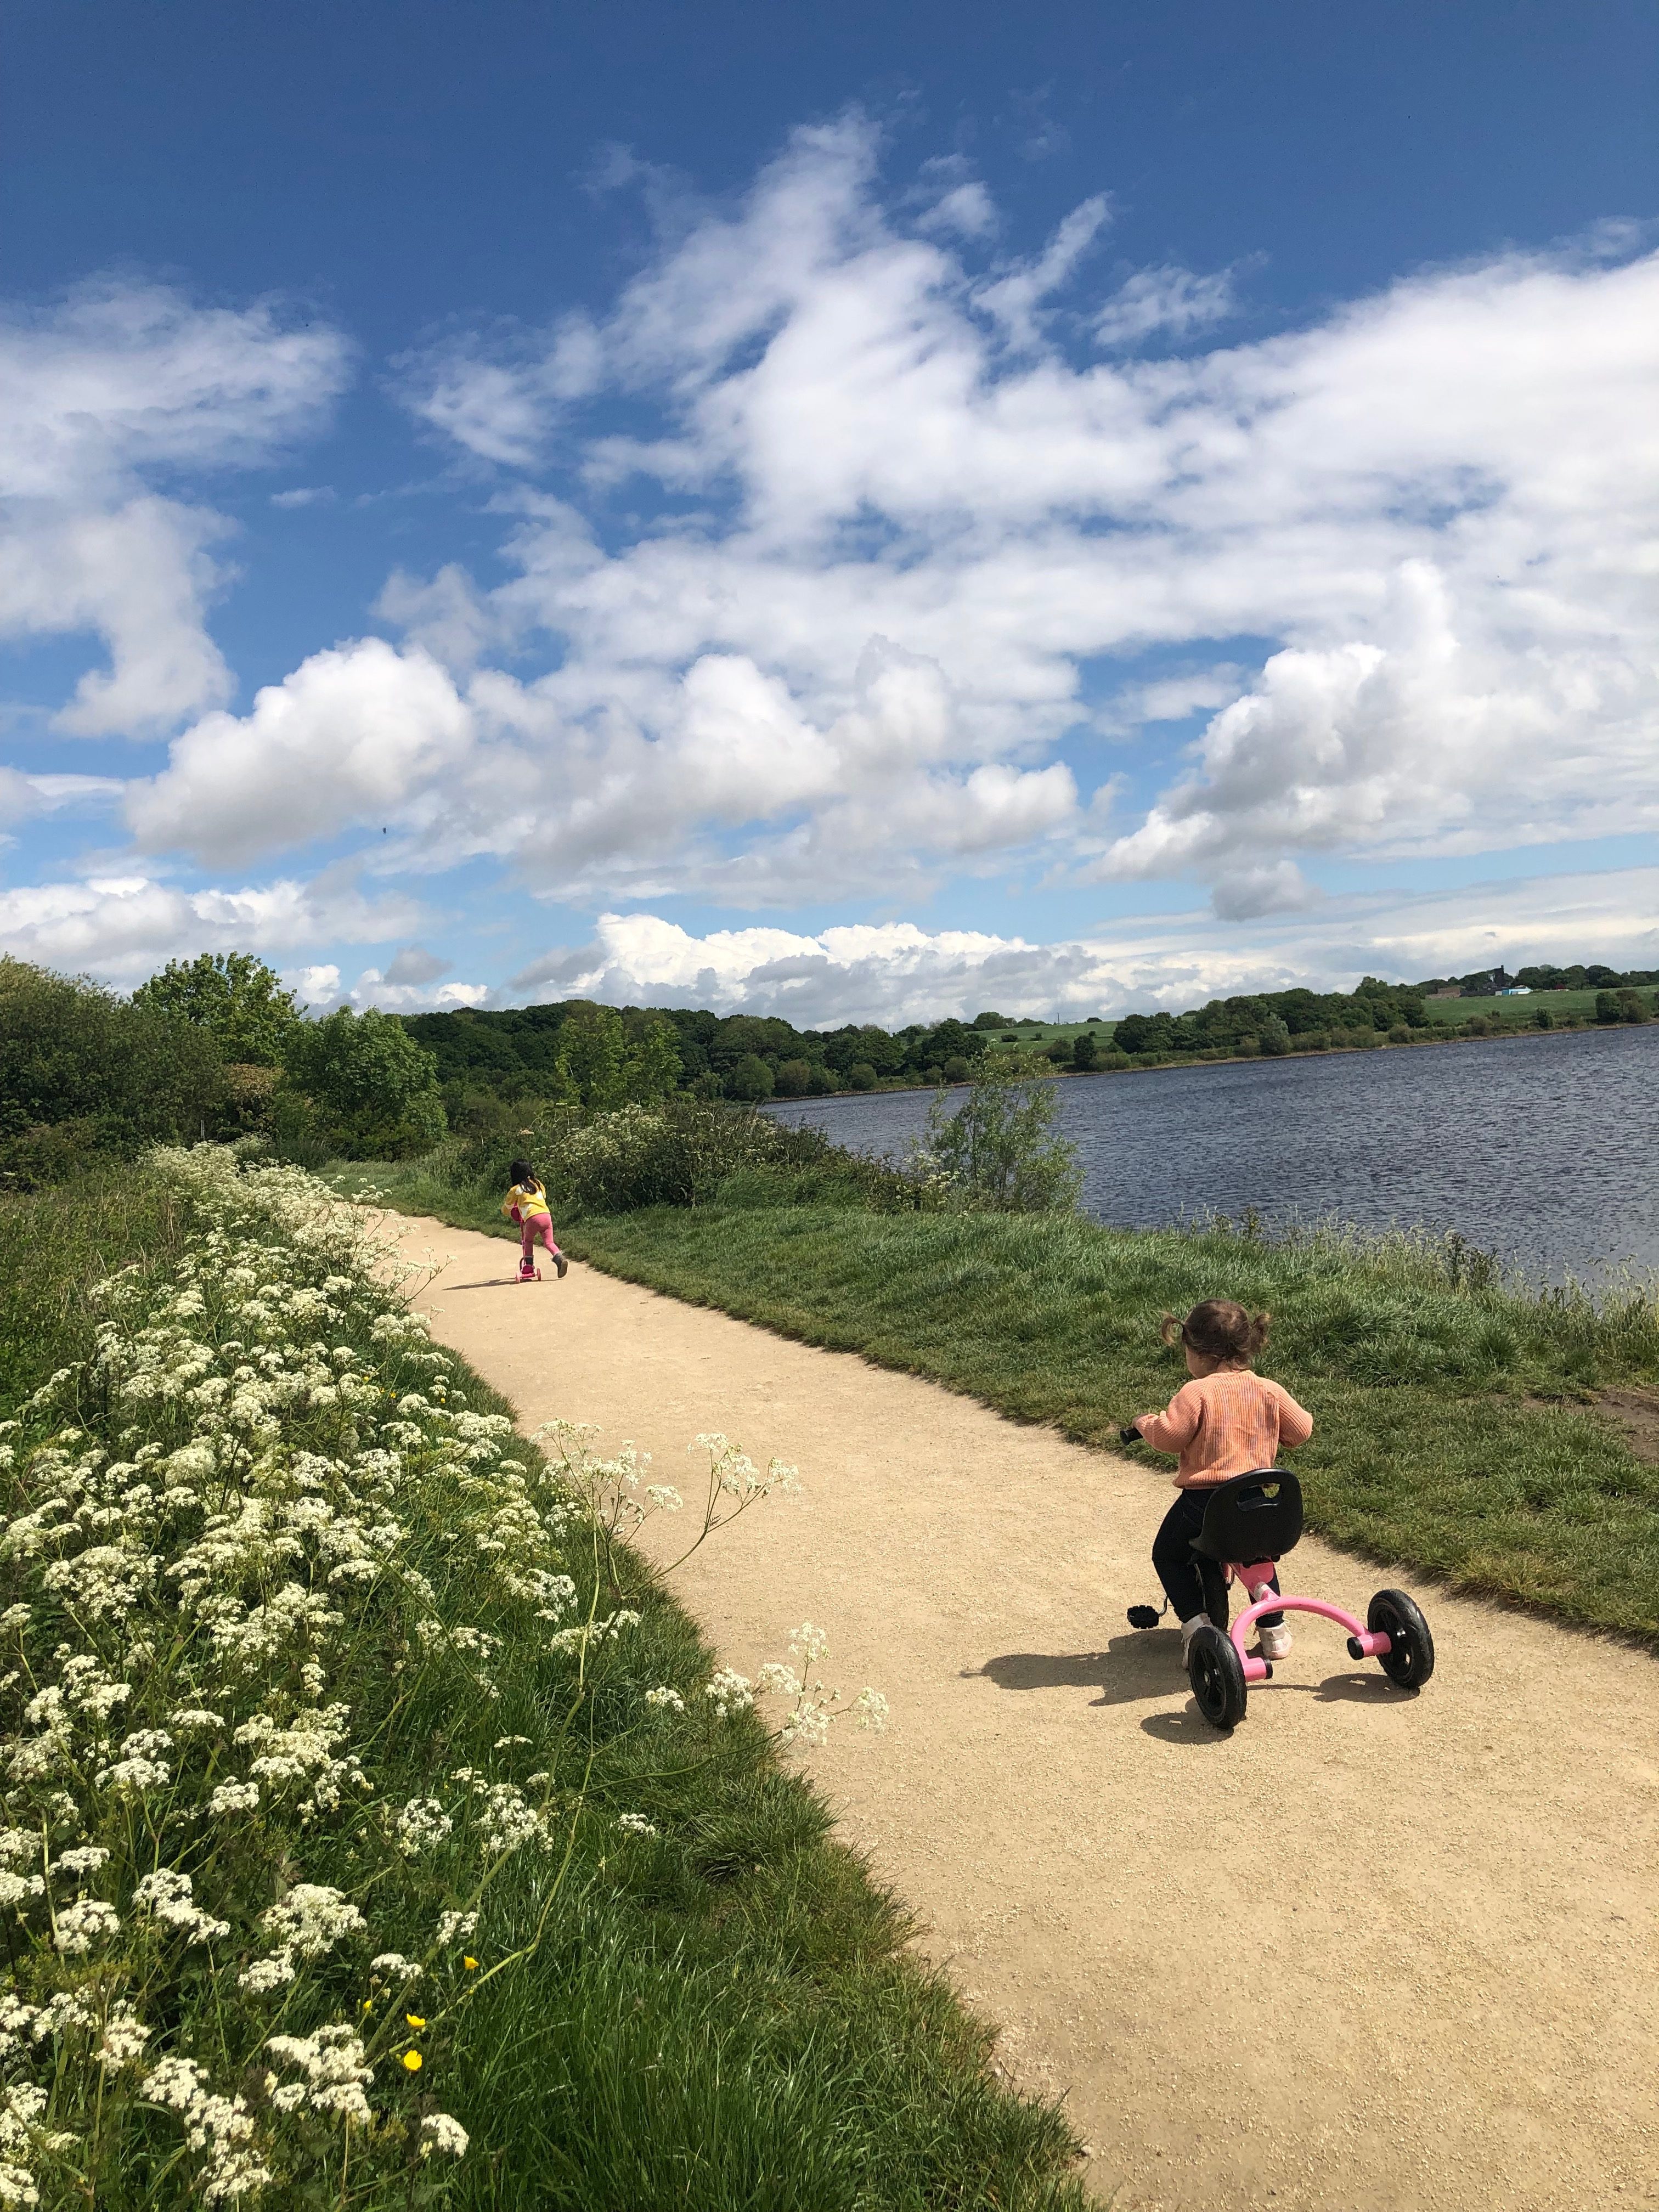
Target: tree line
point(216, 1047)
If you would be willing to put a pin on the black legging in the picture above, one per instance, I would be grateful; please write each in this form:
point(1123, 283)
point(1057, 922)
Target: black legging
point(1176, 1565)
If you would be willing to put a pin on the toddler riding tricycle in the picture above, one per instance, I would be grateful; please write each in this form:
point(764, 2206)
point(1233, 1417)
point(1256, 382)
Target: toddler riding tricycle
point(1250, 1521)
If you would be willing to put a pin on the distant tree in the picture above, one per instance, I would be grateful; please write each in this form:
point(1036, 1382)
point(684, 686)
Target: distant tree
point(652, 1066)
point(956, 1068)
point(794, 1078)
point(990, 1021)
point(1085, 1052)
point(591, 1070)
point(1059, 1051)
point(861, 1076)
point(1620, 1006)
point(1274, 1037)
point(235, 998)
point(750, 1080)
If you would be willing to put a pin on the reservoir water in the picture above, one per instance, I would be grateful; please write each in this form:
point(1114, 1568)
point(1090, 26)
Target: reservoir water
point(1544, 1149)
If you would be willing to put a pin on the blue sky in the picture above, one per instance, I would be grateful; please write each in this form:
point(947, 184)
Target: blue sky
point(858, 513)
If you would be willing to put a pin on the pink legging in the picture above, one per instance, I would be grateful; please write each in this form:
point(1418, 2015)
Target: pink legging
point(531, 1226)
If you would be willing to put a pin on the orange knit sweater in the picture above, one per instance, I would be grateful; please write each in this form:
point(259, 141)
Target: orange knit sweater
point(1229, 1423)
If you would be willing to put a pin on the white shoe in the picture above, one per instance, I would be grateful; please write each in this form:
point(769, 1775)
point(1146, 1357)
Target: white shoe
point(1274, 1642)
point(1188, 1629)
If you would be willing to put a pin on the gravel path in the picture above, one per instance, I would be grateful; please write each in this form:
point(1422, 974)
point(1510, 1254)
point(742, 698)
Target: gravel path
point(1371, 1953)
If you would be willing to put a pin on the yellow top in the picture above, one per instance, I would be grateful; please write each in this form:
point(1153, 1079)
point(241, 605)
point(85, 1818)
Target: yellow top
point(528, 1198)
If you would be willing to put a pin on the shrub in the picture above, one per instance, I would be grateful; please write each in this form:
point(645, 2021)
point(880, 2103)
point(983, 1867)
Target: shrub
point(794, 1078)
point(71, 1053)
point(956, 1069)
point(1400, 1033)
point(861, 1076)
point(997, 1151)
point(1620, 1006)
point(1084, 1051)
point(1059, 1051)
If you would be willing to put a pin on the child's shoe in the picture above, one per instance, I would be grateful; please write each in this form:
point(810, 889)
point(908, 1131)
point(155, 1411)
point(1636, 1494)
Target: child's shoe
point(1274, 1642)
point(561, 1264)
point(1188, 1629)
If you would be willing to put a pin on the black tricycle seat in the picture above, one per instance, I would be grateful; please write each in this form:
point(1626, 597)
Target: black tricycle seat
point(1250, 1517)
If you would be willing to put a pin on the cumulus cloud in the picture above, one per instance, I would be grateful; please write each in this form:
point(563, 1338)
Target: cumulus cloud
point(1438, 501)
point(117, 384)
point(348, 737)
point(123, 928)
point(896, 973)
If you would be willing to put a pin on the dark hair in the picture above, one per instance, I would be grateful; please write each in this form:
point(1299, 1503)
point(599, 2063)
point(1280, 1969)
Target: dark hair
point(1219, 1328)
point(522, 1172)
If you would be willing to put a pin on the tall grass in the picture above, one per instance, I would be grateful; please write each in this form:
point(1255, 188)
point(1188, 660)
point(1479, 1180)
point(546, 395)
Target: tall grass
point(264, 1500)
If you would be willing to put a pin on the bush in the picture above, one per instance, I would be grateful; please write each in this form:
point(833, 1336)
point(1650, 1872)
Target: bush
point(1621, 1007)
point(861, 1076)
point(1085, 1052)
point(956, 1069)
point(73, 1054)
point(794, 1078)
point(1275, 1037)
point(1059, 1051)
point(997, 1151)
point(1400, 1033)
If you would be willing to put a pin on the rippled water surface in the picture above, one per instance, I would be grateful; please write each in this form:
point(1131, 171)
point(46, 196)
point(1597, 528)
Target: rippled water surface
point(1542, 1149)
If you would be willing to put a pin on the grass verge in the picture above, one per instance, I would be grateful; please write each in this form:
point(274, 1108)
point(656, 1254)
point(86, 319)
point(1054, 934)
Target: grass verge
point(360, 1800)
point(1458, 1429)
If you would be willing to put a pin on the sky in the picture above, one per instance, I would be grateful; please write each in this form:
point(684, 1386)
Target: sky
point(859, 515)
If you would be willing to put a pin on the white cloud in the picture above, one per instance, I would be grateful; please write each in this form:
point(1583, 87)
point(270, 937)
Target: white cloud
point(348, 737)
point(1171, 299)
point(896, 973)
point(123, 928)
point(304, 496)
point(1440, 502)
point(372, 988)
point(118, 383)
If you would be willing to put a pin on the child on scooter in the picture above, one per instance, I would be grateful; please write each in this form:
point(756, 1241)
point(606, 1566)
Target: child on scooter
point(526, 1204)
point(1225, 1421)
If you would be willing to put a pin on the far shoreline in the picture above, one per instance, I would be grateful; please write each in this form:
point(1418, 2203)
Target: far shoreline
point(1192, 1063)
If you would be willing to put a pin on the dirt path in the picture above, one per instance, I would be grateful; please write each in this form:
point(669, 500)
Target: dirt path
point(1371, 1953)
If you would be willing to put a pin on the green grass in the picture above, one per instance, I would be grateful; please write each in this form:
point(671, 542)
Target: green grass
point(1564, 1006)
point(1457, 1432)
point(723, 2015)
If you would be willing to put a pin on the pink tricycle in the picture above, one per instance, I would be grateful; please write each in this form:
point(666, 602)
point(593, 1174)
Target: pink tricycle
point(1257, 1518)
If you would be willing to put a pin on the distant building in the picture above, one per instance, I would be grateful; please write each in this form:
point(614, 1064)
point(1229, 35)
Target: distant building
point(1448, 991)
point(1516, 991)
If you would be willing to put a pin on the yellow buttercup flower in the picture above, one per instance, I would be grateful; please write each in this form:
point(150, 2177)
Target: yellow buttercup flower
point(412, 2060)
point(470, 1964)
point(414, 2019)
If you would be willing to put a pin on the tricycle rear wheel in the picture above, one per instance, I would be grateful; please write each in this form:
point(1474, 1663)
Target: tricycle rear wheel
point(1217, 1674)
point(1409, 1659)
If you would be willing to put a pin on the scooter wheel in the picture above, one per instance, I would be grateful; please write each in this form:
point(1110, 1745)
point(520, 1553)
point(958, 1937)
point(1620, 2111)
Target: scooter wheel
point(1409, 1659)
point(1217, 1674)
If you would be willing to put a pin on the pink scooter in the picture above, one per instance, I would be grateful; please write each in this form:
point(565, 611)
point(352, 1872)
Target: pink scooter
point(1258, 1518)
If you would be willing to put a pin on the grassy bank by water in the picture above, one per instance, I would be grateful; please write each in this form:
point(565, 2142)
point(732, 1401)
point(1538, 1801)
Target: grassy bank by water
point(1460, 1430)
point(312, 1658)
